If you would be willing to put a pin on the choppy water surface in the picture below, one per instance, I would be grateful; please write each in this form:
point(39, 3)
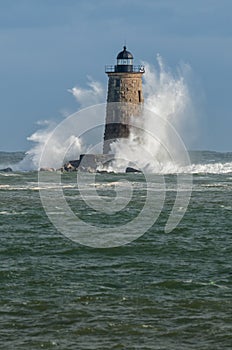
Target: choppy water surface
point(162, 291)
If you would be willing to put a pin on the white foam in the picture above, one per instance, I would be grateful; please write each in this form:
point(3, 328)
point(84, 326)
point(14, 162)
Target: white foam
point(157, 146)
point(167, 102)
point(216, 168)
point(85, 97)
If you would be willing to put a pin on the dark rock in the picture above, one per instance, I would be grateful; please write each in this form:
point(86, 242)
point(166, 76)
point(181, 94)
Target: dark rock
point(132, 170)
point(94, 163)
point(89, 163)
point(6, 170)
point(74, 163)
point(69, 167)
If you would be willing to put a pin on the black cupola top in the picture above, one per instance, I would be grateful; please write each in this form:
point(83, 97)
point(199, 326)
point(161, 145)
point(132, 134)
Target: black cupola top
point(125, 64)
point(124, 54)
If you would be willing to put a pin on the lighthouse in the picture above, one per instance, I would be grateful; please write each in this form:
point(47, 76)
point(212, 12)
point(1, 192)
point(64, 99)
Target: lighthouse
point(124, 97)
point(124, 101)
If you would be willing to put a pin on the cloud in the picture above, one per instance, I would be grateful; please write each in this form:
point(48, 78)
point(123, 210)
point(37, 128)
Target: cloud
point(87, 97)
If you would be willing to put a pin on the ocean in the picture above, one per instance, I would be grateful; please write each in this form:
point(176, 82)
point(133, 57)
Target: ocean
point(159, 291)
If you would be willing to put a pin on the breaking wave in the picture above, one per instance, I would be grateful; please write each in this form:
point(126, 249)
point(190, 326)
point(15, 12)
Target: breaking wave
point(168, 106)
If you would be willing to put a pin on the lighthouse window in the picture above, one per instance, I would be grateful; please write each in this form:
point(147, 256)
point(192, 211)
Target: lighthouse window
point(125, 62)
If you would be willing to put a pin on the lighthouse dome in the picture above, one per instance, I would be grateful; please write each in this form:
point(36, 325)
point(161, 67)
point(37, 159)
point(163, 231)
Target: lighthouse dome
point(124, 61)
point(124, 54)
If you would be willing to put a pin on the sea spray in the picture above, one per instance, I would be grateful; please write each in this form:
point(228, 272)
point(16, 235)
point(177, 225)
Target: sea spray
point(166, 107)
point(32, 160)
point(94, 94)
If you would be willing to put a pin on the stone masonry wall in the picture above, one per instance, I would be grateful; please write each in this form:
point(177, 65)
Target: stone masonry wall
point(125, 88)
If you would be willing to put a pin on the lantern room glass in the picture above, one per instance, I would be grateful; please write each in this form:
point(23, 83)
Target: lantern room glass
point(125, 61)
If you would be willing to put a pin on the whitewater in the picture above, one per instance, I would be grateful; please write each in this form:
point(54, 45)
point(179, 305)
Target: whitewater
point(169, 123)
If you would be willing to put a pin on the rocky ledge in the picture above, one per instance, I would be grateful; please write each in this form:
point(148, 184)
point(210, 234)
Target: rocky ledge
point(6, 170)
point(93, 163)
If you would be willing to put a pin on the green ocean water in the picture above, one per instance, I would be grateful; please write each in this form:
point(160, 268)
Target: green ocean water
point(161, 291)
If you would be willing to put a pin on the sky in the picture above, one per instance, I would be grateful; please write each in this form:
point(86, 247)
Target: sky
point(49, 46)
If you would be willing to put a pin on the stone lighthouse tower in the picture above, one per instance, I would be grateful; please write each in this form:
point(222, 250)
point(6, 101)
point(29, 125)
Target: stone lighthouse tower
point(124, 98)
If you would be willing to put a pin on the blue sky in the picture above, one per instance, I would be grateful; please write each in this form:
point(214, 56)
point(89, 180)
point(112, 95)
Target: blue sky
point(49, 46)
